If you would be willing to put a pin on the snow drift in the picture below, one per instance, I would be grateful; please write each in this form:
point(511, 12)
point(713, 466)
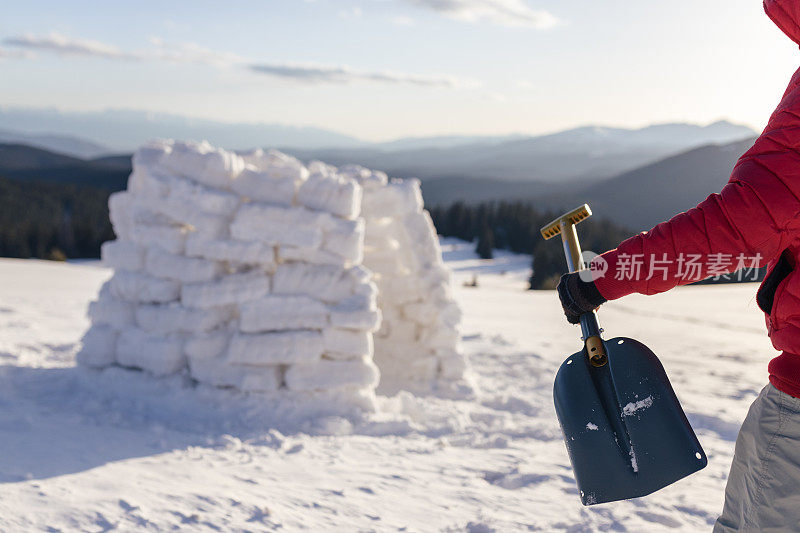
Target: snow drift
point(256, 272)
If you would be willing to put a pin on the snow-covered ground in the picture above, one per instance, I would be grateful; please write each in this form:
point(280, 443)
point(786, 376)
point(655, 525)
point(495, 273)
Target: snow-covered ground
point(117, 450)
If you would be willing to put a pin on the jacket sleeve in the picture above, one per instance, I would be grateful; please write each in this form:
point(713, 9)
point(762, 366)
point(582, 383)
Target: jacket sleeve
point(748, 222)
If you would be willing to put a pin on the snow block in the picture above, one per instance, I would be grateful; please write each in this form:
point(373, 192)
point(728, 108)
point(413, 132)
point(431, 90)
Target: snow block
point(178, 211)
point(144, 181)
point(332, 193)
point(401, 290)
point(387, 263)
point(369, 179)
point(347, 344)
point(421, 312)
point(326, 375)
point(179, 267)
point(207, 345)
point(310, 255)
point(452, 364)
point(161, 356)
point(170, 238)
point(151, 153)
point(283, 348)
point(369, 290)
point(98, 347)
point(245, 253)
point(277, 164)
point(399, 370)
point(293, 226)
point(263, 186)
point(422, 234)
point(205, 199)
point(395, 200)
point(174, 318)
point(440, 337)
point(345, 238)
point(122, 255)
point(203, 163)
point(220, 373)
point(401, 332)
point(275, 313)
point(228, 290)
point(358, 312)
point(136, 287)
point(110, 311)
point(325, 283)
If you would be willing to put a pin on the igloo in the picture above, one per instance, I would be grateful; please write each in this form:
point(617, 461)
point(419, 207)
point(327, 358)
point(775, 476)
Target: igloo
point(255, 272)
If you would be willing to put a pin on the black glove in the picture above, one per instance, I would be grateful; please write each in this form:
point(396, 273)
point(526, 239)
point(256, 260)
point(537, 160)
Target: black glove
point(577, 296)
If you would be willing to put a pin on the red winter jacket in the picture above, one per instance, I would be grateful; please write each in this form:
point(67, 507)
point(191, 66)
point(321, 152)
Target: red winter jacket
point(757, 214)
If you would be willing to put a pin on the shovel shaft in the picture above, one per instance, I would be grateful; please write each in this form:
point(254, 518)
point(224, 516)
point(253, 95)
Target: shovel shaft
point(590, 329)
point(572, 247)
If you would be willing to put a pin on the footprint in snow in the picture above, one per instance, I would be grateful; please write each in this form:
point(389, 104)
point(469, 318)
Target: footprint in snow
point(127, 507)
point(512, 404)
point(657, 518)
point(514, 480)
point(501, 341)
point(725, 430)
point(479, 527)
point(694, 511)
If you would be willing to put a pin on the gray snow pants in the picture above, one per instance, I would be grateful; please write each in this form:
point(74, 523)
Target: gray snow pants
point(763, 492)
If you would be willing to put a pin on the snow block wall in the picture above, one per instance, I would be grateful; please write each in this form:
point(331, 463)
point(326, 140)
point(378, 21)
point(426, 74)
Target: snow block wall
point(418, 339)
point(255, 272)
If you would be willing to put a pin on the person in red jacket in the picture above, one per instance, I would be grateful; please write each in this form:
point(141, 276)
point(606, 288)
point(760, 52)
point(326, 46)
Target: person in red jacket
point(754, 219)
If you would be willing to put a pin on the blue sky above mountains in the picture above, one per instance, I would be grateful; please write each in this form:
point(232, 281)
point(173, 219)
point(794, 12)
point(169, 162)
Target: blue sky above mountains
point(381, 69)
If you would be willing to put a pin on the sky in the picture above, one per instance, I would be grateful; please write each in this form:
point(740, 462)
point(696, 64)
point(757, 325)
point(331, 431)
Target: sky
point(383, 69)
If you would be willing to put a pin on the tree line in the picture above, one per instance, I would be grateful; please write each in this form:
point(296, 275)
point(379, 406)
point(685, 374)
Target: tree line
point(52, 220)
point(65, 221)
point(514, 226)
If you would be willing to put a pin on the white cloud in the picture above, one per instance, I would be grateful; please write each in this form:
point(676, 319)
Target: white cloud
point(196, 54)
point(341, 74)
point(59, 44)
point(161, 51)
point(500, 12)
point(191, 53)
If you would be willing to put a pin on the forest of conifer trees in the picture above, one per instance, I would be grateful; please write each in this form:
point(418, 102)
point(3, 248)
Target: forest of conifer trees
point(52, 221)
point(514, 226)
point(62, 221)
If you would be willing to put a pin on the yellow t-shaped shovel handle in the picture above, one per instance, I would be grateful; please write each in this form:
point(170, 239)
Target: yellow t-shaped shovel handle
point(565, 226)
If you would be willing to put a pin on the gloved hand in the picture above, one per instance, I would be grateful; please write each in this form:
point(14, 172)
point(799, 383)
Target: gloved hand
point(578, 296)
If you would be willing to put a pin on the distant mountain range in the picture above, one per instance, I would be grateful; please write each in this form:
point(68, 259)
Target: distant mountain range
point(643, 197)
point(582, 154)
point(64, 144)
point(123, 131)
point(27, 163)
point(637, 199)
point(587, 153)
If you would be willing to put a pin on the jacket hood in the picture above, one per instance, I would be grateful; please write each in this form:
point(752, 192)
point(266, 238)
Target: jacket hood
point(786, 14)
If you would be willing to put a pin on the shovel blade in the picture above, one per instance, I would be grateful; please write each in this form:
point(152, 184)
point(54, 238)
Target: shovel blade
point(626, 433)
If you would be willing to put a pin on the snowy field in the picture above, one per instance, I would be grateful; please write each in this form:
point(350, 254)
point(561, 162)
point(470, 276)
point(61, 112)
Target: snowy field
point(116, 450)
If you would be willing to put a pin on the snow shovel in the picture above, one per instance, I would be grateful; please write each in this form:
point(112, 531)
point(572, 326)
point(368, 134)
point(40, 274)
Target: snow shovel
point(626, 433)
